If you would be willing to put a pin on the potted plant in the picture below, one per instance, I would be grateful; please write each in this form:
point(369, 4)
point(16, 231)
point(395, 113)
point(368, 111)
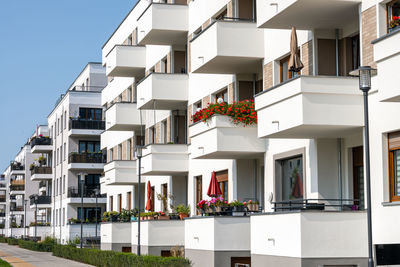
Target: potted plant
point(150, 216)
point(201, 206)
point(394, 23)
point(219, 203)
point(42, 160)
point(162, 216)
point(252, 205)
point(237, 208)
point(183, 211)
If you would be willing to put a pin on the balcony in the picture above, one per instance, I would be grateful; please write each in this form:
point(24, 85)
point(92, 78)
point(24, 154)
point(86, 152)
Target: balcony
point(123, 117)
point(115, 235)
point(165, 159)
point(41, 173)
point(41, 145)
point(17, 187)
point(126, 61)
point(120, 172)
point(163, 91)
point(387, 56)
point(41, 202)
point(16, 208)
point(208, 238)
point(79, 161)
point(17, 168)
point(159, 235)
point(306, 14)
point(80, 127)
point(2, 215)
point(3, 199)
point(310, 234)
point(163, 24)
point(221, 139)
point(310, 107)
point(228, 47)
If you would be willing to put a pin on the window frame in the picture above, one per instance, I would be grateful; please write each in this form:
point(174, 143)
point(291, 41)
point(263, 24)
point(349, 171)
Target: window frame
point(393, 145)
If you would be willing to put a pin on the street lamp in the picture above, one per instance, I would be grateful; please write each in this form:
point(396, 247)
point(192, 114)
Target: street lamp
point(96, 193)
point(82, 181)
point(139, 155)
point(36, 198)
point(25, 202)
point(364, 73)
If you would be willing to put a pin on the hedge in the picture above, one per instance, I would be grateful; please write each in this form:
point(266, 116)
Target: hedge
point(3, 239)
point(4, 263)
point(43, 247)
point(12, 241)
point(101, 258)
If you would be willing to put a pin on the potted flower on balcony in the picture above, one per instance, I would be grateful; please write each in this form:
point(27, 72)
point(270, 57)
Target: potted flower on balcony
point(252, 205)
point(162, 216)
point(42, 160)
point(219, 204)
point(394, 23)
point(238, 208)
point(201, 206)
point(183, 211)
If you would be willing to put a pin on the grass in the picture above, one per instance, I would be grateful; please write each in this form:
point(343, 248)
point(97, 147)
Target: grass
point(4, 264)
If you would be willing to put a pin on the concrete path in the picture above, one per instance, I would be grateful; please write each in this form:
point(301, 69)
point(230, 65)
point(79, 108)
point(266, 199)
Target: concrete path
point(19, 257)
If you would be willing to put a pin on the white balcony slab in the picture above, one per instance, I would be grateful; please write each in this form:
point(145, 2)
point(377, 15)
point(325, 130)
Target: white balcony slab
point(163, 91)
point(165, 159)
point(123, 117)
point(306, 14)
point(112, 233)
point(218, 233)
point(37, 149)
point(17, 172)
point(228, 47)
point(83, 166)
point(41, 176)
point(219, 138)
point(17, 192)
point(126, 61)
point(159, 233)
point(84, 132)
point(310, 107)
point(120, 172)
point(310, 234)
point(163, 24)
point(387, 56)
point(86, 200)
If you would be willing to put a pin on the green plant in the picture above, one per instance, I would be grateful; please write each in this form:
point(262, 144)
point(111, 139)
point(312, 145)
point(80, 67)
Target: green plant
point(4, 263)
point(45, 246)
point(3, 239)
point(12, 241)
point(103, 258)
point(236, 203)
point(182, 209)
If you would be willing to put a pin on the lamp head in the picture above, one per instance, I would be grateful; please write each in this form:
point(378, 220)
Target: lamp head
point(364, 73)
point(139, 151)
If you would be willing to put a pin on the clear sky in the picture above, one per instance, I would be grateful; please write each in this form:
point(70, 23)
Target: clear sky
point(44, 44)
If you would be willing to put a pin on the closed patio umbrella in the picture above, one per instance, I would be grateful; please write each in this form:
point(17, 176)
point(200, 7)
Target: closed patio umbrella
point(148, 202)
point(295, 64)
point(213, 188)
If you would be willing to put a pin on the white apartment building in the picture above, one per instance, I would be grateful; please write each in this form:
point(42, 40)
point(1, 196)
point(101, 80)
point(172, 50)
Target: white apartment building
point(18, 211)
point(75, 125)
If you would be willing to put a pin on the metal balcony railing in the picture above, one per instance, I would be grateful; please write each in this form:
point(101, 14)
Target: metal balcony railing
point(16, 208)
point(17, 166)
point(17, 187)
point(316, 204)
point(2, 214)
point(2, 199)
point(86, 158)
point(42, 184)
point(41, 170)
point(42, 141)
point(40, 200)
point(87, 124)
point(75, 191)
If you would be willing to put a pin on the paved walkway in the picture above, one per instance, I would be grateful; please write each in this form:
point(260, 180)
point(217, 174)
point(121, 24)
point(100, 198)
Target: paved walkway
point(19, 257)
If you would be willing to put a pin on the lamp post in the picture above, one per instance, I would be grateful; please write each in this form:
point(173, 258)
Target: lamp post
point(36, 197)
point(364, 73)
point(25, 202)
point(96, 193)
point(139, 157)
point(82, 182)
point(11, 225)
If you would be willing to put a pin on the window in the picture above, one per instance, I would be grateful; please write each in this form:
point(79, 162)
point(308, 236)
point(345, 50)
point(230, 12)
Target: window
point(62, 123)
point(394, 166)
point(65, 120)
point(393, 14)
point(64, 185)
point(58, 126)
point(58, 156)
point(120, 152)
point(222, 179)
point(291, 178)
point(198, 189)
point(129, 94)
point(119, 203)
point(164, 133)
point(164, 194)
point(129, 200)
point(111, 154)
point(111, 203)
point(89, 146)
point(152, 135)
point(61, 153)
point(223, 95)
point(285, 73)
point(129, 149)
point(89, 214)
point(90, 113)
point(61, 182)
point(63, 217)
point(197, 107)
point(65, 151)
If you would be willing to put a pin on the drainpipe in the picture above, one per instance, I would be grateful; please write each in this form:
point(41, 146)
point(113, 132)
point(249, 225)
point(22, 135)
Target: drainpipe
point(255, 178)
point(340, 178)
point(253, 9)
point(254, 84)
point(337, 51)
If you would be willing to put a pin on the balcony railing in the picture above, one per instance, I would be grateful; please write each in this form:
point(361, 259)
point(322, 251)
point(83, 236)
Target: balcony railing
point(2, 185)
point(75, 191)
point(86, 158)
point(17, 187)
point(17, 166)
point(17, 182)
point(2, 214)
point(12, 197)
point(16, 208)
point(87, 124)
point(2, 199)
point(42, 184)
point(41, 141)
point(40, 200)
point(41, 170)
point(316, 204)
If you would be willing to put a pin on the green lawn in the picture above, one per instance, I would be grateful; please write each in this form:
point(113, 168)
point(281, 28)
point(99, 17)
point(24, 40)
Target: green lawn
point(4, 264)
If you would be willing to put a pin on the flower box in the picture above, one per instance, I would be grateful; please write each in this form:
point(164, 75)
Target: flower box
point(163, 217)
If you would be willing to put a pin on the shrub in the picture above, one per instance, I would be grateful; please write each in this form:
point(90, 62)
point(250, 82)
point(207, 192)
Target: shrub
point(103, 258)
point(45, 246)
point(12, 241)
point(3, 239)
point(4, 264)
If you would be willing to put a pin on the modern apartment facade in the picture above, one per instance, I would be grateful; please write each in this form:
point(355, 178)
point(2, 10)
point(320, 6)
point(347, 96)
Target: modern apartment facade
point(75, 125)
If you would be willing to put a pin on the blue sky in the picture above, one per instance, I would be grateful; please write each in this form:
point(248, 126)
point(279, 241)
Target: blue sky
point(44, 44)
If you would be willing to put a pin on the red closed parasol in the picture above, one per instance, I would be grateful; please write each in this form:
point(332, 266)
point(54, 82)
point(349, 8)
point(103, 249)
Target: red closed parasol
point(148, 202)
point(213, 188)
